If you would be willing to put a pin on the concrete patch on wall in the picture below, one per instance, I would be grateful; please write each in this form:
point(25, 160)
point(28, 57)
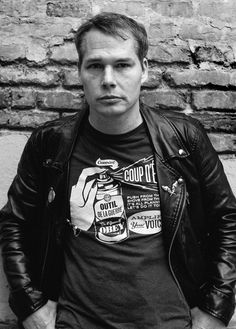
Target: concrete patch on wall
point(229, 164)
point(11, 146)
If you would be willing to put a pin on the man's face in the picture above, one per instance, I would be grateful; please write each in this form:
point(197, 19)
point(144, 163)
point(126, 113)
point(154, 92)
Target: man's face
point(111, 74)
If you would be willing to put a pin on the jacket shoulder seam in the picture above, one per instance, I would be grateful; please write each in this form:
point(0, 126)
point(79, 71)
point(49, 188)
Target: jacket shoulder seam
point(188, 121)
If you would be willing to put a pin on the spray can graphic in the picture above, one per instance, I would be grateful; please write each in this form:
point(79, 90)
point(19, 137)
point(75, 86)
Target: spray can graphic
point(110, 218)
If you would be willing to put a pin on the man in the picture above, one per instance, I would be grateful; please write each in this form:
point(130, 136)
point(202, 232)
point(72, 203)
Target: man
point(120, 216)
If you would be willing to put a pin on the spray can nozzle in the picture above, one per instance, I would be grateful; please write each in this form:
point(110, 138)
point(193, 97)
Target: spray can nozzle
point(103, 175)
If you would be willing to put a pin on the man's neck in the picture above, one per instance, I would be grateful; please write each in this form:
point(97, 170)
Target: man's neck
point(115, 125)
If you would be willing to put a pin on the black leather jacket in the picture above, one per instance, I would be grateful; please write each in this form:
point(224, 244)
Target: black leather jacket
point(197, 205)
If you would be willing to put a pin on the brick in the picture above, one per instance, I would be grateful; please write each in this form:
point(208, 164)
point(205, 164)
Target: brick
point(66, 8)
point(217, 122)
point(25, 119)
point(5, 98)
point(165, 53)
point(223, 143)
point(197, 30)
point(22, 40)
point(17, 8)
point(214, 100)
point(67, 114)
point(64, 54)
point(23, 98)
point(112, 6)
point(131, 8)
point(162, 30)
point(169, 99)
point(154, 78)
point(198, 78)
point(56, 41)
point(215, 53)
point(61, 100)
point(12, 52)
point(233, 79)
point(2, 99)
point(224, 10)
point(225, 30)
point(135, 8)
point(36, 52)
point(71, 78)
point(173, 8)
point(24, 75)
point(53, 30)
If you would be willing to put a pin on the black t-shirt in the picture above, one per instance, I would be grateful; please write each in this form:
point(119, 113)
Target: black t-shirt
point(116, 272)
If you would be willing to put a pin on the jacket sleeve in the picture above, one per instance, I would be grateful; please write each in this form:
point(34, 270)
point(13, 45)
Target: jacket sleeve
point(16, 218)
point(217, 294)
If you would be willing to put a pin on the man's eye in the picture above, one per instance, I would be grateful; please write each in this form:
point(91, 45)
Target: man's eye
point(122, 65)
point(95, 66)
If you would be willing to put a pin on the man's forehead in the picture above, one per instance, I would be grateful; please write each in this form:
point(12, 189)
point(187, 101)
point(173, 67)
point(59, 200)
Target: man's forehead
point(96, 42)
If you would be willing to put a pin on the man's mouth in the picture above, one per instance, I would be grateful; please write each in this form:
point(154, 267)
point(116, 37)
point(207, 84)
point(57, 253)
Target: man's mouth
point(109, 97)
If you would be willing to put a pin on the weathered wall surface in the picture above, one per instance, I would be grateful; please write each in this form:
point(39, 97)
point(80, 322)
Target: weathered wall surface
point(192, 60)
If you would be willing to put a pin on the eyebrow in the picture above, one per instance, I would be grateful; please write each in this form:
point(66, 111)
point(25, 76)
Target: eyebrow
point(98, 59)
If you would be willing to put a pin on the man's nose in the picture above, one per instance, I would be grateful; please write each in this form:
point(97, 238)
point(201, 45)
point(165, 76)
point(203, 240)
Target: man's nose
point(108, 77)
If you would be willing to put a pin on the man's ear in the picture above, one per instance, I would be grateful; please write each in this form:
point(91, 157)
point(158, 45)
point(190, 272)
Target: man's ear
point(145, 70)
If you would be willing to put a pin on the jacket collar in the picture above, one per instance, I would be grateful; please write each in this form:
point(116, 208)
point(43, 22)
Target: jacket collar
point(63, 140)
point(165, 140)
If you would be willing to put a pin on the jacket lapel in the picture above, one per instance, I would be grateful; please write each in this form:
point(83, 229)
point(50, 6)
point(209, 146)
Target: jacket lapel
point(172, 188)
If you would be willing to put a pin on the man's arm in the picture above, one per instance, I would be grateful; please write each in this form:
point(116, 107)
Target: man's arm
point(217, 294)
point(17, 219)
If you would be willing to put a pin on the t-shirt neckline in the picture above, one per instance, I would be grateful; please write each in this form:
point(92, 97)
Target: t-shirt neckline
point(111, 137)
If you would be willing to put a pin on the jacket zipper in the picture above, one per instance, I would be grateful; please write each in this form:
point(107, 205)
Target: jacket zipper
point(45, 255)
point(67, 192)
point(48, 238)
point(183, 200)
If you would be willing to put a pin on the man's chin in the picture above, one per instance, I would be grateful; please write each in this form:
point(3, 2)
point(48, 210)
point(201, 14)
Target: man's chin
point(111, 110)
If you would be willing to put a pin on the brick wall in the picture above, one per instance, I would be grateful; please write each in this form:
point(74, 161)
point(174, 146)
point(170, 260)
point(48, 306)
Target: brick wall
point(192, 60)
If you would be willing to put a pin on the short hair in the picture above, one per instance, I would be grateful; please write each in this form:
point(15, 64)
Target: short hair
point(113, 24)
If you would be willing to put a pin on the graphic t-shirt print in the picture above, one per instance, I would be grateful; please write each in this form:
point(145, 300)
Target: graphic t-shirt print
point(116, 202)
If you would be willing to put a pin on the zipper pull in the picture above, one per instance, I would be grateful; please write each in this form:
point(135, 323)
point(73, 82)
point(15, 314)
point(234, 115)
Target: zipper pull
point(187, 198)
point(75, 229)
